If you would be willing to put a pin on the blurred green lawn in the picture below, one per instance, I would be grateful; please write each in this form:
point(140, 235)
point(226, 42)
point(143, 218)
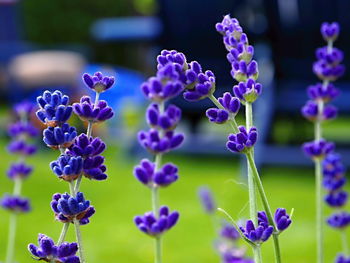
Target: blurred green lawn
point(112, 237)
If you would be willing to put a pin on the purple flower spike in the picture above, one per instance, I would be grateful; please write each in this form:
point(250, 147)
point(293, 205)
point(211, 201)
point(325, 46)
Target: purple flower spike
point(207, 200)
point(330, 31)
point(59, 137)
point(98, 82)
point(258, 234)
point(67, 167)
point(84, 146)
point(332, 57)
point(336, 199)
point(48, 251)
point(230, 103)
point(54, 109)
point(19, 170)
point(67, 208)
point(156, 226)
point(88, 111)
point(167, 120)
point(229, 232)
point(154, 142)
point(326, 94)
point(342, 259)
point(282, 219)
point(247, 91)
point(15, 204)
point(20, 128)
point(243, 140)
point(218, 116)
point(318, 149)
point(200, 84)
point(24, 108)
point(328, 72)
point(21, 147)
point(339, 220)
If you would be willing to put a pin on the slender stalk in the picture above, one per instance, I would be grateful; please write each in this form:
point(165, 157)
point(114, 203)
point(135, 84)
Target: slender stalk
point(11, 239)
point(63, 233)
point(17, 187)
point(257, 254)
point(79, 240)
point(265, 202)
point(253, 207)
point(344, 240)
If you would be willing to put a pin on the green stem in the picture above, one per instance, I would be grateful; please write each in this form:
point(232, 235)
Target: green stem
point(344, 240)
point(265, 202)
point(319, 212)
point(17, 189)
point(11, 239)
point(158, 250)
point(79, 240)
point(63, 233)
point(257, 254)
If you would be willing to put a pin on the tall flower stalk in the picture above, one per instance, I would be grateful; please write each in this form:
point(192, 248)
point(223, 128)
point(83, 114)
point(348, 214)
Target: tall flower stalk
point(318, 110)
point(199, 85)
point(20, 132)
point(158, 140)
point(80, 156)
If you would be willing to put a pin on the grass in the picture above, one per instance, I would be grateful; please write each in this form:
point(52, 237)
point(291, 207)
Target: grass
point(112, 237)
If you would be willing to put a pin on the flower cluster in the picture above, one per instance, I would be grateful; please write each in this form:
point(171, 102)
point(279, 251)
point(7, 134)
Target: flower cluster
point(261, 232)
point(328, 68)
point(160, 138)
point(80, 157)
point(21, 131)
point(49, 252)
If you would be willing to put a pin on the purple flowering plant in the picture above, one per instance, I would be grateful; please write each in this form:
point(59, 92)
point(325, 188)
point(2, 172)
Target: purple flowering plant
point(199, 84)
point(329, 170)
point(80, 156)
point(21, 133)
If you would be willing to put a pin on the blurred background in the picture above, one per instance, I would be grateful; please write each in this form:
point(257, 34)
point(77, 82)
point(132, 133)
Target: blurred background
point(49, 44)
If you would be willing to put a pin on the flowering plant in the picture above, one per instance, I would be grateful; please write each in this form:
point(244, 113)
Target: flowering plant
point(80, 156)
point(20, 132)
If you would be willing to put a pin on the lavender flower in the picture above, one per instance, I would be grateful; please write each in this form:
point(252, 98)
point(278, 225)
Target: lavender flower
point(311, 112)
point(324, 93)
point(339, 220)
point(155, 143)
point(87, 147)
point(261, 232)
point(22, 129)
point(173, 57)
point(24, 108)
point(231, 107)
point(15, 204)
point(330, 31)
point(332, 166)
point(168, 120)
point(155, 226)
point(88, 111)
point(282, 219)
point(247, 91)
point(19, 170)
point(54, 109)
point(94, 168)
point(21, 147)
point(199, 84)
point(49, 252)
point(67, 167)
point(342, 259)
point(243, 140)
point(59, 137)
point(336, 198)
point(98, 82)
point(207, 200)
point(67, 208)
point(318, 149)
point(228, 231)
